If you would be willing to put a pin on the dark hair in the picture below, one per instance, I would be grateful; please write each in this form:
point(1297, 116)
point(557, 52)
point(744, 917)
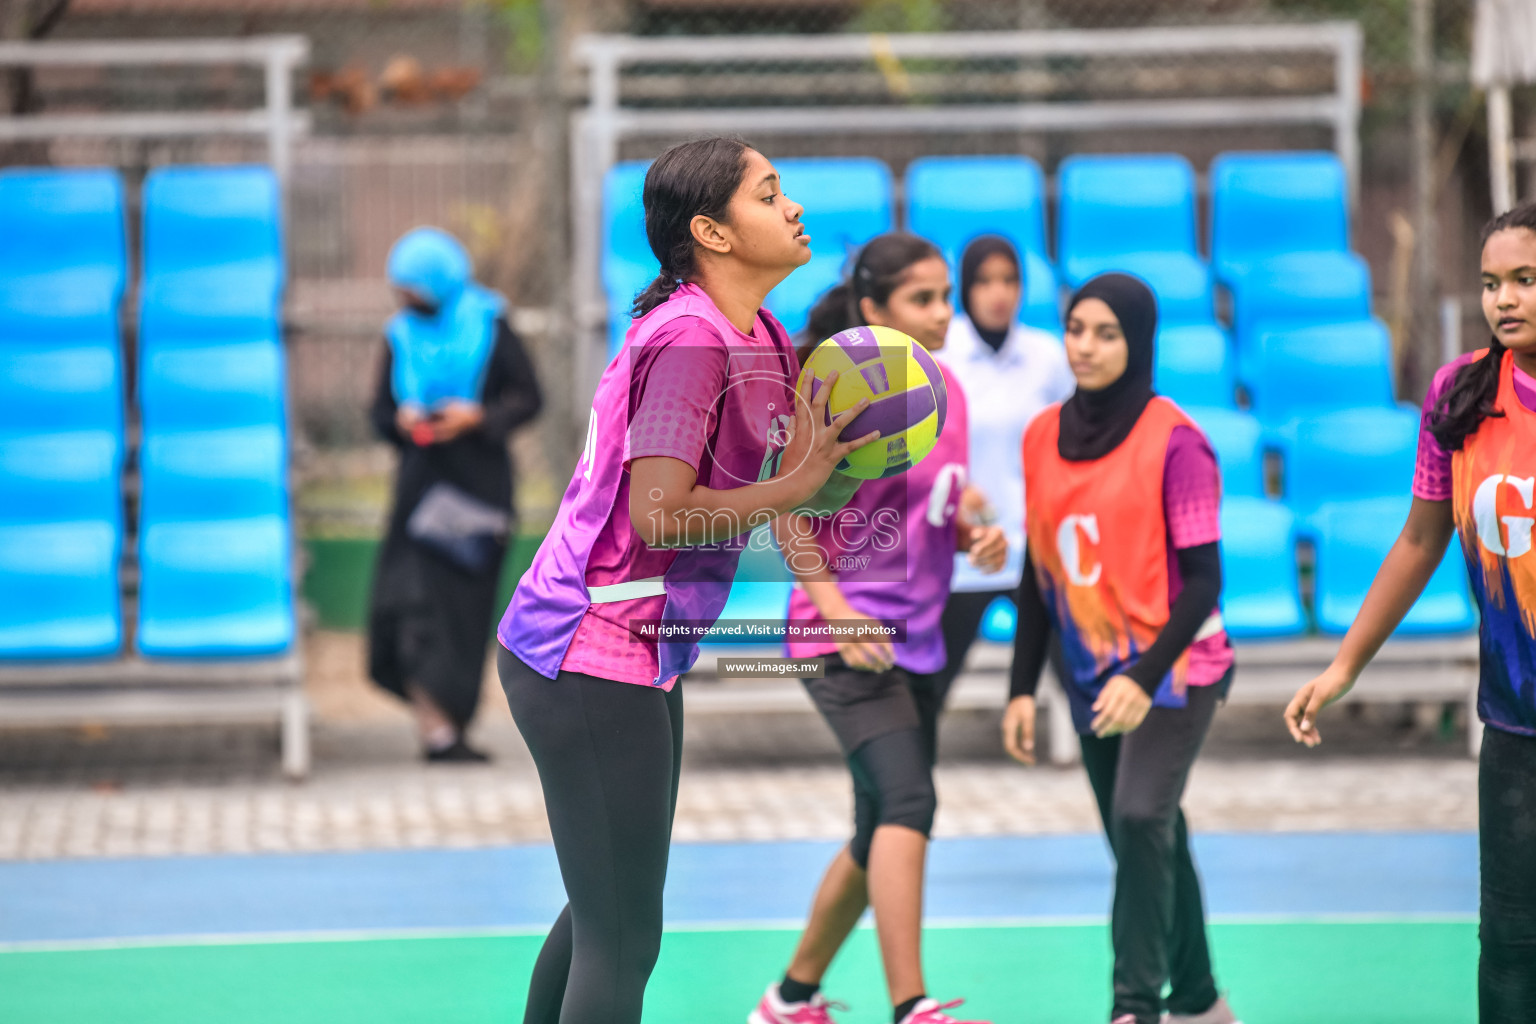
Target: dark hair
point(692, 179)
point(977, 251)
point(877, 272)
point(1472, 395)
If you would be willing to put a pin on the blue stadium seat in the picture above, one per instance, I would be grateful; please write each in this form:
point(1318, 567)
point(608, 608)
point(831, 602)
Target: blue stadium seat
point(1268, 204)
point(71, 475)
point(63, 265)
point(216, 547)
point(848, 201)
point(628, 264)
point(61, 276)
point(1296, 291)
point(213, 263)
point(212, 385)
point(1195, 366)
point(63, 259)
point(624, 217)
point(1310, 370)
point(952, 199)
point(757, 600)
point(1135, 214)
point(59, 596)
point(761, 586)
point(1345, 455)
point(215, 544)
point(214, 457)
point(1236, 438)
point(218, 588)
point(233, 473)
point(60, 540)
point(1353, 538)
point(49, 386)
point(1261, 598)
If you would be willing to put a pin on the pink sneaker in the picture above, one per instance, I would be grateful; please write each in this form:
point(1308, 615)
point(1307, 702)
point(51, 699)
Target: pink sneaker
point(774, 1010)
point(931, 1011)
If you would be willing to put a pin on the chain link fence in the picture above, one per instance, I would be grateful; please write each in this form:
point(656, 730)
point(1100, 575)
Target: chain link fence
point(454, 112)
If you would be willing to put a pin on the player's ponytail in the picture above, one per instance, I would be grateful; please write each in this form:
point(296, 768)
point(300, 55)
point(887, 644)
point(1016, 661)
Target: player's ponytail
point(693, 179)
point(876, 273)
point(835, 311)
point(1473, 395)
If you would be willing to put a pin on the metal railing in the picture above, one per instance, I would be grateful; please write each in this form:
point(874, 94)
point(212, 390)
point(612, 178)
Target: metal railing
point(599, 128)
point(277, 119)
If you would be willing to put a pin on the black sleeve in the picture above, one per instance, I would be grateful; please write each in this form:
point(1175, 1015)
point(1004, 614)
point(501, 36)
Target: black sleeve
point(382, 412)
point(1200, 567)
point(1032, 636)
point(512, 395)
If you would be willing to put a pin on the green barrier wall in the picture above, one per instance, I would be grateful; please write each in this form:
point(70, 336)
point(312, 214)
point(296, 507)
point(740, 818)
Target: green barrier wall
point(340, 574)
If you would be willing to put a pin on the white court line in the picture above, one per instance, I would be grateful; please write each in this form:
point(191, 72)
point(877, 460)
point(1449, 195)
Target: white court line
point(411, 934)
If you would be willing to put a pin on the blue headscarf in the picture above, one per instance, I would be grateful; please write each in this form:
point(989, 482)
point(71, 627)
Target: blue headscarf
point(442, 356)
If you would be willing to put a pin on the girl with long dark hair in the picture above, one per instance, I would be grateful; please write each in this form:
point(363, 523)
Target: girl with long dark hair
point(882, 699)
point(696, 436)
point(1122, 500)
point(1474, 481)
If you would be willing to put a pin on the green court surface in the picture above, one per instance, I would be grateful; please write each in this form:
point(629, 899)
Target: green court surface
point(1381, 972)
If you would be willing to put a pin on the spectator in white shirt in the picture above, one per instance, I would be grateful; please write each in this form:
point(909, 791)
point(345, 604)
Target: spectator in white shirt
point(1009, 373)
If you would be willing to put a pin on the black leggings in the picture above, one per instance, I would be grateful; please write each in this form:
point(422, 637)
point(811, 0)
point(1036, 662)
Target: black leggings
point(1158, 921)
point(608, 756)
point(1506, 790)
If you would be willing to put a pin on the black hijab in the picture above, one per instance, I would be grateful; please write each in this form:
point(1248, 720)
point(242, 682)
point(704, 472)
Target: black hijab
point(975, 255)
point(1094, 423)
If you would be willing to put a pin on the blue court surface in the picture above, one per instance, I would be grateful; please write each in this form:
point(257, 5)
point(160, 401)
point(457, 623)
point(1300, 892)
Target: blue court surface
point(136, 939)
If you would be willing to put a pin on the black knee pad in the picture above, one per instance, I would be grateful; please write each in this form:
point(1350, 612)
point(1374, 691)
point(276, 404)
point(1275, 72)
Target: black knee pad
point(912, 805)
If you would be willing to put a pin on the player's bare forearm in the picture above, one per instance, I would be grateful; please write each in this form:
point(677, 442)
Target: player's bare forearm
point(1399, 582)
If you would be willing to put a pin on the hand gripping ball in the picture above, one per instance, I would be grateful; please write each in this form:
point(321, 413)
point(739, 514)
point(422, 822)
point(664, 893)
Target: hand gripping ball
point(905, 388)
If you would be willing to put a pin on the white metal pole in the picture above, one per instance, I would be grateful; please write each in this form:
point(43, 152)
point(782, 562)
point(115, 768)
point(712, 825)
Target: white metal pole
point(598, 141)
point(1450, 329)
point(586, 260)
point(1349, 65)
point(279, 68)
point(1426, 247)
point(1501, 169)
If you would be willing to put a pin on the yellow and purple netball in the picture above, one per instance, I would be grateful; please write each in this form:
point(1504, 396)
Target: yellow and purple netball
point(905, 388)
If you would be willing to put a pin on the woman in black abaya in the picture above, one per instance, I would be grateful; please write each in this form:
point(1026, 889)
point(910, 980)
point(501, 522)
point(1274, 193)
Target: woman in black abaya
point(453, 384)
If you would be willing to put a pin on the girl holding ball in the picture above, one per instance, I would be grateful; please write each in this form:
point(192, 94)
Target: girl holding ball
point(686, 453)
